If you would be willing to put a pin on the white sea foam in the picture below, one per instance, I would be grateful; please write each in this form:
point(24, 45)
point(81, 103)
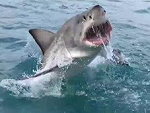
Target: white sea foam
point(45, 85)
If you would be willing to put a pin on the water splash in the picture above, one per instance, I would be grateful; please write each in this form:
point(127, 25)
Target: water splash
point(114, 55)
point(109, 51)
point(36, 87)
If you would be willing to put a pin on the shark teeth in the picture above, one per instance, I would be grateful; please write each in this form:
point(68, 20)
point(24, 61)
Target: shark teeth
point(97, 34)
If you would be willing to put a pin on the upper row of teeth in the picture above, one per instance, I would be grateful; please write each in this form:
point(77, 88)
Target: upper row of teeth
point(98, 30)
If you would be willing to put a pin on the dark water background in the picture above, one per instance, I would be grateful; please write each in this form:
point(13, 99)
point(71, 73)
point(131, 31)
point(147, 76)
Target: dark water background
point(104, 89)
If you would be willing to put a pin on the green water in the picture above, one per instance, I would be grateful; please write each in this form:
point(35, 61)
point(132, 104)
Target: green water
point(103, 88)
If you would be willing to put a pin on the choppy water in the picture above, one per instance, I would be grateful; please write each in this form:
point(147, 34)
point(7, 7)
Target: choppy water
point(102, 89)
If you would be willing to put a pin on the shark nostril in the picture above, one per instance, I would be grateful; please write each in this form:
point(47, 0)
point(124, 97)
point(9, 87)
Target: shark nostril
point(104, 12)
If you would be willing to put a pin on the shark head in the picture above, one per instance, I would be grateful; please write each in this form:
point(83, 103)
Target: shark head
point(82, 33)
point(88, 29)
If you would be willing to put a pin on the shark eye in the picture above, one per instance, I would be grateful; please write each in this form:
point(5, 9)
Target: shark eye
point(90, 17)
point(84, 17)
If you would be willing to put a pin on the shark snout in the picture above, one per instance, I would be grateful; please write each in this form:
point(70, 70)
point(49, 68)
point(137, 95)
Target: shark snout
point(99, 9)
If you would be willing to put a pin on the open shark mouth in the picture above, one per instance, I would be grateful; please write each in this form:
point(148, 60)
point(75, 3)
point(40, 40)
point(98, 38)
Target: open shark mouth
point(98, 35)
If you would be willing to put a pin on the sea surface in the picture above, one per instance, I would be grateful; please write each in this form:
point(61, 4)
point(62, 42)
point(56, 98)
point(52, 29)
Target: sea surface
point(101, 88)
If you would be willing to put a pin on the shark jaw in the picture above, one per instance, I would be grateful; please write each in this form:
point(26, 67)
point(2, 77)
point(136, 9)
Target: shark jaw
point(98, 35)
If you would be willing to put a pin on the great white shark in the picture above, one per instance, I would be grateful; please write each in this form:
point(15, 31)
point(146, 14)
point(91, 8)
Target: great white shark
point(67, 52)
point(77, 43)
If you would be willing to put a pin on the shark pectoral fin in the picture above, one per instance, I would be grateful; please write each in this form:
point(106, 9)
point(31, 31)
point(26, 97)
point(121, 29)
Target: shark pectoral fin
point(42, 37)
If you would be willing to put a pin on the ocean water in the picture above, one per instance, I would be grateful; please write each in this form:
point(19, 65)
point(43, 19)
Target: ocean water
point(101, 88)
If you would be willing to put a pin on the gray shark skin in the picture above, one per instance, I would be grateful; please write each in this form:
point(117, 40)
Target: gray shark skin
point(76, 44)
